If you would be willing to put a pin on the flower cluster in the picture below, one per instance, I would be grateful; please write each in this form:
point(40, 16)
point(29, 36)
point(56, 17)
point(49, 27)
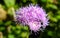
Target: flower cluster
point(33, 16)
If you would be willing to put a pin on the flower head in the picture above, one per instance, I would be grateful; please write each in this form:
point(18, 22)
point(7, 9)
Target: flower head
point(33, 16)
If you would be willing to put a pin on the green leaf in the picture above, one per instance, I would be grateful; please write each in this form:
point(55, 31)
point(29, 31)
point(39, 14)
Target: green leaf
point(50, 14)
point(24, 1)
point(58, 16)
point(52, 25)
point(25, 28)
point(1, 22)
point(17, 32)
point(53, 19)
point(8, 23)
point(50, 1)
point(24, 34)
point(9, 3)
point(56, 28)
point(18, 27)
point(58, 12)
point(50, 33)
point(34, 1)
point(13, 28)
point(2, 28)
point(4, 37)
point(51, 6)
point(11, 11)
point(11, 36)
point(44, 0)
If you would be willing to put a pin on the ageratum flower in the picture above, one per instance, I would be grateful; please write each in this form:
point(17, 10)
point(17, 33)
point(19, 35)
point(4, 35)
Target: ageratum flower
point(33, 16)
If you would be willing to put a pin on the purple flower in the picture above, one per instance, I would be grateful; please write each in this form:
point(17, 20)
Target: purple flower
point(33, 16)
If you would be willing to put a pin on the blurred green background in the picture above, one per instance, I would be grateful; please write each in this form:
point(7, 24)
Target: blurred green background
point(9, 29)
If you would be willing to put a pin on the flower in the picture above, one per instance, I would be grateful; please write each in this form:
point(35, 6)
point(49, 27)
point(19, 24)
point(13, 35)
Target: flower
point(33, 16)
